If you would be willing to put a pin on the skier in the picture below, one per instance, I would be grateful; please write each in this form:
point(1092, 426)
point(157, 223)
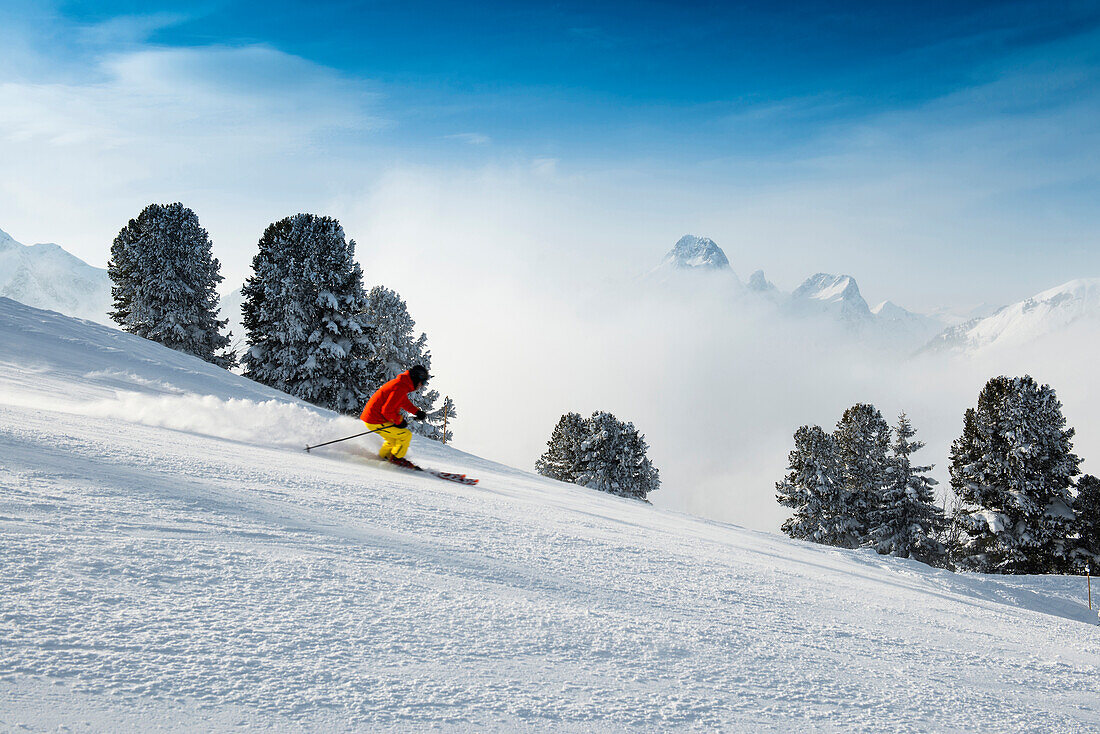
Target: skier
point(383, 414)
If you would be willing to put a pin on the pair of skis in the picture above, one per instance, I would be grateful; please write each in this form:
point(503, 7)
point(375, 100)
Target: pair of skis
point(445, 475)
point(449, 476)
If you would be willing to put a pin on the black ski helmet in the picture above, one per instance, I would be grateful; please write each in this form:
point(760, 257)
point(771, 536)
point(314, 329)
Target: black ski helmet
point(419, 375)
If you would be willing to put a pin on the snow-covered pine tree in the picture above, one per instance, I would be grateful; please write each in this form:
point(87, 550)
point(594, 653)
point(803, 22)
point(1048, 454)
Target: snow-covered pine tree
point(396, 348)
point(1012, 469)
point(1086, 524)
point(966, 453)
point(812, 488)
point(303, 314)
point(600, 449)
point(638, 476)
point(612, 458)
point(122, 268)
point(561, 459)
point(862, 439)
point(908, 522)
point(165, 279)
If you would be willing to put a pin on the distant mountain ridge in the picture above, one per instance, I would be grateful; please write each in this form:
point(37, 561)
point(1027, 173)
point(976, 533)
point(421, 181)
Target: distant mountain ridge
point(46, 276)
point(836, 297)
point(1025, 321)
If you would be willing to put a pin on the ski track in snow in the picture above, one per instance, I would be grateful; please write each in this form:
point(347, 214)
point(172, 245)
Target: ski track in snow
point(172, 560)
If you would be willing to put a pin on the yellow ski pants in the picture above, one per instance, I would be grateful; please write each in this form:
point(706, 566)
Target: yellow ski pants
point(396, 440)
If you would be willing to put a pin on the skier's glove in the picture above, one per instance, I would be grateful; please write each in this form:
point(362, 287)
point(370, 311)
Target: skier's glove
point(420, 415)
point(402, 424)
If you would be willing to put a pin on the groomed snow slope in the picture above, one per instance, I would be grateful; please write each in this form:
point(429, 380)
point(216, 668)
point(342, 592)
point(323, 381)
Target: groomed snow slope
point(172, 560)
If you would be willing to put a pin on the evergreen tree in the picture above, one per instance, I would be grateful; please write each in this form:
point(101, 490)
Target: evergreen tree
point(1086, 524)
point(600, 453)
point(561, 460)
point(122, 268)
point(908, 521)
point(165, 279)
point(862, 439)
point(613, 458)
point(303, 314)
point(966, 454)
point(637, 475)
point(396, 348)
point(813, 489)
point(1012, 469)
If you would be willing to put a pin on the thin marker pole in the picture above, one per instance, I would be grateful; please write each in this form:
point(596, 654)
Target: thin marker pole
point(446, 404)
point(1088, 577)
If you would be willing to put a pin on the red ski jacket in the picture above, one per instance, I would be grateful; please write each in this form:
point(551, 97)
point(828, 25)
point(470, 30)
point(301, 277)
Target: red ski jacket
point(386, 404)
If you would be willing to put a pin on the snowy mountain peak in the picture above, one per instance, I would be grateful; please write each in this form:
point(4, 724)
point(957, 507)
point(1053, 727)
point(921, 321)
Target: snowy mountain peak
point(837, 295)
point(759, 283)
point(829, 288)
point(691, 252)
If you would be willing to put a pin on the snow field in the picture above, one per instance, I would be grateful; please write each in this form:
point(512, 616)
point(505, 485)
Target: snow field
point(174, 561)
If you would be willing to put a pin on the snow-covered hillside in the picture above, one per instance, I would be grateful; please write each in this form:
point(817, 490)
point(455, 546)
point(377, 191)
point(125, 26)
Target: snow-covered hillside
point(46, 276)
point(173, 560)
point(1075, 303)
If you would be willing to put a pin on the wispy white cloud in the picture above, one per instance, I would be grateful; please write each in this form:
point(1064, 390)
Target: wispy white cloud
point(182, 95)
point(252, 125)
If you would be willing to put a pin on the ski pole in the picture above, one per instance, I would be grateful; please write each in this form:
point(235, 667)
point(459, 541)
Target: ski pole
point(348, 438)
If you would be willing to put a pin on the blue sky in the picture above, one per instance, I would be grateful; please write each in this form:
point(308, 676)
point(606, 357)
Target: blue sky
point(870, 138)
point(678, 78)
